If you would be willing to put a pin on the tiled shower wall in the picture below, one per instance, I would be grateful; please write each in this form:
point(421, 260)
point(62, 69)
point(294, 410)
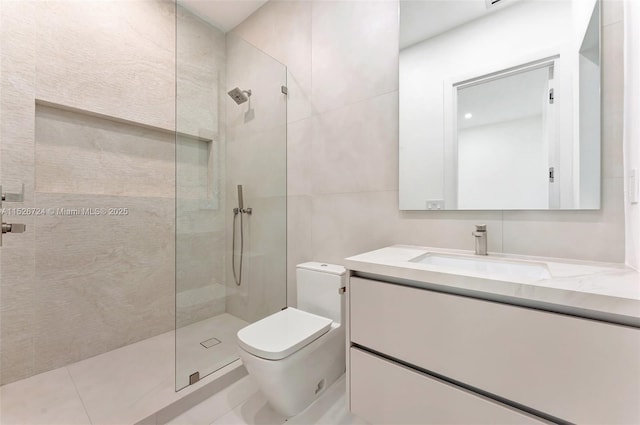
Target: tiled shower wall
point(256, 158)
point(342, 155)
point(200, 186)
point(88, 115)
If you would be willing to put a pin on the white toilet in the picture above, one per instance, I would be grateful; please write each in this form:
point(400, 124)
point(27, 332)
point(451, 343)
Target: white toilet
point(295, 354)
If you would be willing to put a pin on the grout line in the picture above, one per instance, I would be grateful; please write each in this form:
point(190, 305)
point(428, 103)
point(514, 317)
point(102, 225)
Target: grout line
point(502, 231)
point(348, 104)
point(79, 396)
point(296, 121)
point(357, 192)
point(234, 406)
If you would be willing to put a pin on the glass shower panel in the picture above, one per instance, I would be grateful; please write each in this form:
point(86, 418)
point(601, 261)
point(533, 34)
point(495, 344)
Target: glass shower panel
point(221, 144)
point(257, 161)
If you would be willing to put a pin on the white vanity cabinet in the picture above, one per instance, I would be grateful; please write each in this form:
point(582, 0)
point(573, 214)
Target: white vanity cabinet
point(421, 356)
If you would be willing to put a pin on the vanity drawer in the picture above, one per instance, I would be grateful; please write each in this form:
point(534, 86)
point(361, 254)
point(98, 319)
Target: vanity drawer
point(383, 392)
point(578, 370)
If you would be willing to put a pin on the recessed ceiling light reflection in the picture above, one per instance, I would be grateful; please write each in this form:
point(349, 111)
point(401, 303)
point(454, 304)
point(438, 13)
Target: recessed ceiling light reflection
point(468, 115)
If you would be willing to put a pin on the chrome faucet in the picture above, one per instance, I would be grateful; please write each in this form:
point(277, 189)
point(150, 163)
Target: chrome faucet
point(481, 239)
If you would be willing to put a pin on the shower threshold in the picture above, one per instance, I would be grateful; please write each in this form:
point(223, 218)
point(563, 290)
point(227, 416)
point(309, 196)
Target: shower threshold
point(134, 384)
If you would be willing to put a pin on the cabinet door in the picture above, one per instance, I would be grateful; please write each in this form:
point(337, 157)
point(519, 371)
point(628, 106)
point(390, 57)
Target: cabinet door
point(383, 392)
point(578, 370)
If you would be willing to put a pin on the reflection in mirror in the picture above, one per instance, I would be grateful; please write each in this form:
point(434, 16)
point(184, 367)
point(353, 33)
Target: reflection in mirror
point(500, 105)
point(503, 140)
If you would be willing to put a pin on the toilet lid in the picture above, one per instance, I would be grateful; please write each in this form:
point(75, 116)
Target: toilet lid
point(282, 333)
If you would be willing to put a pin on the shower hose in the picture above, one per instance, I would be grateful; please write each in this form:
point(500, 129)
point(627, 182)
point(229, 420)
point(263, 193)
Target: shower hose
point(237, 277)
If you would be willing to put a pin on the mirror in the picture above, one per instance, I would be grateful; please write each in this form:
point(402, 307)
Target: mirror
point(499, 104)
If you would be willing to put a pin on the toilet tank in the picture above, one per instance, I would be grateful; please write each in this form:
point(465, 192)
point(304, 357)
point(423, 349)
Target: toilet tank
point(318, 285)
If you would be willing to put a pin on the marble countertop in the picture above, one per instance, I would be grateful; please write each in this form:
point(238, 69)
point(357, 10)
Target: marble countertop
point(602, 291)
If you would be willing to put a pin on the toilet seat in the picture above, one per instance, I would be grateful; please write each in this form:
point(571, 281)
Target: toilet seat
point(282, 334)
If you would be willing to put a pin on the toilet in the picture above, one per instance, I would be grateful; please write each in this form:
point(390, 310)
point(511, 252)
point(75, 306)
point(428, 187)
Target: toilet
point(297, 353)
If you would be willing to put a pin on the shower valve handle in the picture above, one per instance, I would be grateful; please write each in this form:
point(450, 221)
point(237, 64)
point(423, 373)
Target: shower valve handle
point(13, 228)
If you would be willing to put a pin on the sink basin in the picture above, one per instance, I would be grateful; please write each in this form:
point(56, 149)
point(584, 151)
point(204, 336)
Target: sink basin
point(479, 265)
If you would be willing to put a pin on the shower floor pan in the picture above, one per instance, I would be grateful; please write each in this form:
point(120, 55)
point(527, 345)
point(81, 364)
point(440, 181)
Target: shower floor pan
point(134, 384)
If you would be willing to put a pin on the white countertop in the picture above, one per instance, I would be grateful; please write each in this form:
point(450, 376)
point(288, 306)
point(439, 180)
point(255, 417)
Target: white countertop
point(603, 291)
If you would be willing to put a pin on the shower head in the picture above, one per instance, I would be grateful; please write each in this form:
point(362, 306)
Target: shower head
point(240, 96)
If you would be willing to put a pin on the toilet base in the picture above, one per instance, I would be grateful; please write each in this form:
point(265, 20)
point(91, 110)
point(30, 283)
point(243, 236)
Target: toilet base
point(293, 383)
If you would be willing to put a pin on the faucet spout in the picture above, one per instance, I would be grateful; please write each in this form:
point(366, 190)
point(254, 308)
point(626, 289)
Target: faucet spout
point(480, 236)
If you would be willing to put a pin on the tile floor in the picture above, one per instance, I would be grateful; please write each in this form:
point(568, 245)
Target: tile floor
point(122, 386)
point(243, 404)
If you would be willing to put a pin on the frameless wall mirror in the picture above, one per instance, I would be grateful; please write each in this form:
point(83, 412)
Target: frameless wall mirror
point(499, 104)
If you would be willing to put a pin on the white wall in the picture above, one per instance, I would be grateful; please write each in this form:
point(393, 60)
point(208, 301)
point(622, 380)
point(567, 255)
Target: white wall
point(342, 147)
point(632, 127)
point(502, 165)
point(535, 30)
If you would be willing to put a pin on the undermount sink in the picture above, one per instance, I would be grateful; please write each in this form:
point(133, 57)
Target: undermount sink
point(507, 268)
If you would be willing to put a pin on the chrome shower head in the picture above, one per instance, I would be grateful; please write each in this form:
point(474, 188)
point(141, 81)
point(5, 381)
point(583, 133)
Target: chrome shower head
point(240, 96)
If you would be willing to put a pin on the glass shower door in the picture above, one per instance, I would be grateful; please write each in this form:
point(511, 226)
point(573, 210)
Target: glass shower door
point(223, 142)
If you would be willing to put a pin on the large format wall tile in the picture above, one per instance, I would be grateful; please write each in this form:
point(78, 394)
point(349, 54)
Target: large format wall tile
point(299, 240)
point(612, 11)
point(200, 274)
point(354, 51)
point(200, 77)
point(257, 160)
point(300, 157)
point(106, 58)
point(79, 153)
point(17, 321)
point(282, 29)
point(612, 101)
point(587, 235)
point(200, 171)
point(263, 288)
point(351, 223)
point(448, 229)
point(355, 148)
point(248, 68)
point(200, 259)
point(101, 281)
point(17, 80)
point(256, 151)
point(346, 224)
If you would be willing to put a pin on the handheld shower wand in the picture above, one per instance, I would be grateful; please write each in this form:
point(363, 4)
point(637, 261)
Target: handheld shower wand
point(240, 198)
point(239, 211)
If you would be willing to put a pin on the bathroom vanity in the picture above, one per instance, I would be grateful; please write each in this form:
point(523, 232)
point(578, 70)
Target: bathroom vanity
point(443, 336)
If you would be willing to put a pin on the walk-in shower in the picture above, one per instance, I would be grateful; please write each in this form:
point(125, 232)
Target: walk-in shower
point(235, 211)
point(116, 119)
